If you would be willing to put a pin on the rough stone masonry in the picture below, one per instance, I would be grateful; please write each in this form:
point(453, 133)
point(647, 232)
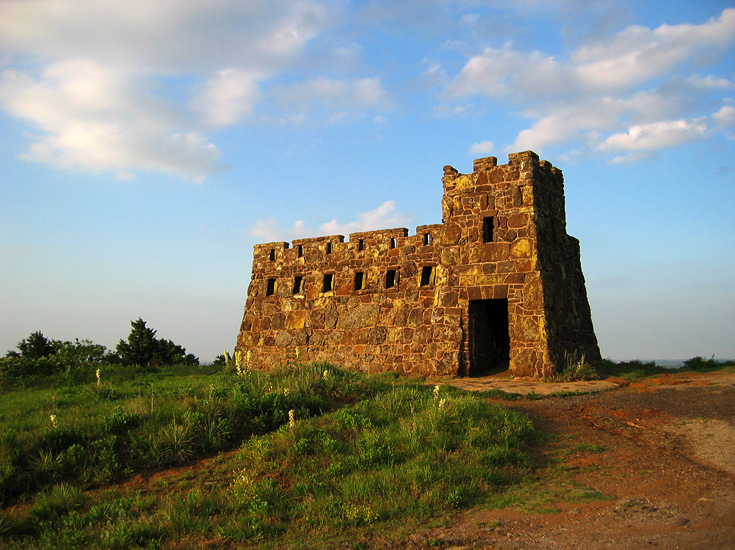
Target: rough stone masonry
point(498, 284)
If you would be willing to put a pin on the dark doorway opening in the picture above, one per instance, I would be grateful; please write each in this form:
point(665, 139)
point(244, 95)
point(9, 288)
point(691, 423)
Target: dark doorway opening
point(488, 336)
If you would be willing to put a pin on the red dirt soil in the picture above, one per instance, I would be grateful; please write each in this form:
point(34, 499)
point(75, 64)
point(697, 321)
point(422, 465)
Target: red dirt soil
point(667, 472)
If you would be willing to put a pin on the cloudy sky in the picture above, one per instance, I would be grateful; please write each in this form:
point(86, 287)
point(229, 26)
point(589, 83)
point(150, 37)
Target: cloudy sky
point(147, 146)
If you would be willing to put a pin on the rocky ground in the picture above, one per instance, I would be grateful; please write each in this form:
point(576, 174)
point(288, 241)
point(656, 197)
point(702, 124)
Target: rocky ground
point(653, 464)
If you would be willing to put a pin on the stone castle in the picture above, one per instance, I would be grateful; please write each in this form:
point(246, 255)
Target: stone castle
point(497, 285)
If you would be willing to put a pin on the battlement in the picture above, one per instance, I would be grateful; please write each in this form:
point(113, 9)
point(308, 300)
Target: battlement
point(498, 282)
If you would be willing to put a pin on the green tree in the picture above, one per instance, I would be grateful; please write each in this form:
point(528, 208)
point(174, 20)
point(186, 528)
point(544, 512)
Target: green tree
point(37, 346)
point(143, 348)
point(83, 352)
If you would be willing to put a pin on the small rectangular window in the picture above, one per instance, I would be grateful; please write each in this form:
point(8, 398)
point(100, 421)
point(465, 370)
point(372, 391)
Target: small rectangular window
point(359, 280)
point(300, 250)
point(393, 242)
point(272, 254)
point(488, 229)
point(329, 248)
point(298, 284)
point(391, 278)
point(270, 287)
point(361, 244)
point(427, 238)
point(427, 275)
point(327, 285)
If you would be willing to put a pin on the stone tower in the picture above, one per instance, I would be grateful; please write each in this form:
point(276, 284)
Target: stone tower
point(498, 284)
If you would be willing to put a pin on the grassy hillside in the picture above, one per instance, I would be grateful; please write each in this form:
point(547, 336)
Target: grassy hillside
point(309, 452)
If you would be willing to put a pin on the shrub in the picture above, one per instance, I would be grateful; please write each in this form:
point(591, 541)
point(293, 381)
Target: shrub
point(696, 363)
point(21, 368)
point(37, 346)
point(60, 499)
point(120, 423)
point(40, 359)
point(143, 348)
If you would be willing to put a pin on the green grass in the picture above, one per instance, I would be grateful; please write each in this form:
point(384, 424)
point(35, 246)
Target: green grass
point(590, 448)
point(304, 453)
point(574, 368)
point(136, 420)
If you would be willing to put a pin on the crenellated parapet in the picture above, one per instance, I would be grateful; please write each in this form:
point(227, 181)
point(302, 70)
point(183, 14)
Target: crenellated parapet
point(497, 283)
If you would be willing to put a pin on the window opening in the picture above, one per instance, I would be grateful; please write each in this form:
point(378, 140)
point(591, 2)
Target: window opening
point(488, 225)
point(327, 285)
point(427, 238)
point(272, 255)
point(361, 244)
point(329, 248)
point(393, 242)
point(427, 275)
point(270, 287)
point(391, 278)
point(359, 280)
point(298, 284)
point(300, 250)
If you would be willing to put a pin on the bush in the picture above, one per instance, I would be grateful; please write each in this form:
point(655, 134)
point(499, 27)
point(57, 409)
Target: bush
point(39, 358)
point(37, 346)
point(26, 368)
point(144, 349)
point(696, 363)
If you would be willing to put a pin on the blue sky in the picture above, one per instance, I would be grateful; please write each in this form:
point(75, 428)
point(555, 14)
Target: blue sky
point(147, 146)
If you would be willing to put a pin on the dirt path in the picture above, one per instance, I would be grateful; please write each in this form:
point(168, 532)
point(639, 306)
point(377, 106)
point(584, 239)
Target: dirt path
point(652, 465)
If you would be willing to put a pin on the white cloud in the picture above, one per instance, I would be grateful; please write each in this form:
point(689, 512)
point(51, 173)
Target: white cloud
point(434, 74)
point(566, 122)
point(269, 231)
point(97, 78)
point(227, 97)
point(384, 216)
point(711, 82)
point(639, 54)
point(97, 118)
point(633, 56)
point(165, 36)
point(725, 117)
point(658, 135)
point(340, 97)
point(482, 148)
point(501, 73)
point(595, 94)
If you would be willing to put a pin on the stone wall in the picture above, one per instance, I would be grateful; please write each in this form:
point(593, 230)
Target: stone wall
point(497, 284)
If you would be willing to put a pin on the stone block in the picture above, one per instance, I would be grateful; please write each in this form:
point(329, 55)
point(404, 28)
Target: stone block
point(450, 235)
point(360, 317)
point(521, 248)
point(533, 297)
point(296, 320)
